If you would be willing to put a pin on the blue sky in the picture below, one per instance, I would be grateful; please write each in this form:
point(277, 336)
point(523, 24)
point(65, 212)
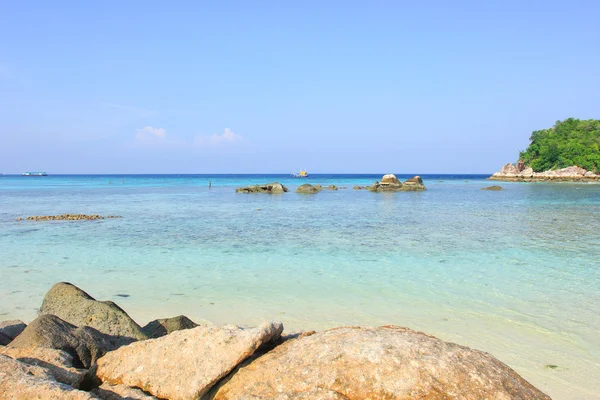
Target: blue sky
point(195, 87)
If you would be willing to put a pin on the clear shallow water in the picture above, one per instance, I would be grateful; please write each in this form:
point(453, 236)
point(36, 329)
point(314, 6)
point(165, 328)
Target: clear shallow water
point(515, 273)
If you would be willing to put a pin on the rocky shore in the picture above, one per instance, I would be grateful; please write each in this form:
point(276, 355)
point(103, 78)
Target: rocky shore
point(520, 173)
point(81, 348)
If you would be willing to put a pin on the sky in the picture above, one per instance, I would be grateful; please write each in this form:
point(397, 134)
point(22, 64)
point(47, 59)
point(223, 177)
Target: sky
point(276, 86)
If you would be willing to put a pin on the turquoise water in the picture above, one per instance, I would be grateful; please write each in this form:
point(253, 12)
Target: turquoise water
point(515, 273)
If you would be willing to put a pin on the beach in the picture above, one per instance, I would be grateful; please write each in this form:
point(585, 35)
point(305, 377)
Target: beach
point(514, 273)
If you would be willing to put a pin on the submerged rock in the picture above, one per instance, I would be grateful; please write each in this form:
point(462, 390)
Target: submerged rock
point(84, 344)
point(59, 363)
point(272, 188)
point(493, 188)
point(162, 327)
point(307, 188)
point(13, 328)
point(75, 306)
point(19, 381)
point(185, 364)
point(387, 362)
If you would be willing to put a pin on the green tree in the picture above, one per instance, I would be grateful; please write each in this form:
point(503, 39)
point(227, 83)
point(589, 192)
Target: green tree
point(569, 142)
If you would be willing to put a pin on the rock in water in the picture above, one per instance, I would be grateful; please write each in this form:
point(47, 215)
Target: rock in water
point(390, 179)
point(13, 328)
point(375, 363)
point(121, 392)
point(162, 327)
point(58, 362)
point(493, 188)
point(84, 344)
point(389, 183)
point(20, 381)
point(307, 188)
point(414, 184)
point(75, 306)
point(185, 364)
point(272, 188)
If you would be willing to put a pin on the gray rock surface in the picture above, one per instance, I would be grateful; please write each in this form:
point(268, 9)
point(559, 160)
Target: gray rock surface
point(356, 363)
point(12, 328)
point(185, 364)
point(84, 344)
point(19, 381)
point(162, 327)
point(58, 362)
point(75, 306)
point(271, 188)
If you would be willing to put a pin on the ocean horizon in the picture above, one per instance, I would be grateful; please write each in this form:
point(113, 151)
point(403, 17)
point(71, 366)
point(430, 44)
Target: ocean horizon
point(514, 273)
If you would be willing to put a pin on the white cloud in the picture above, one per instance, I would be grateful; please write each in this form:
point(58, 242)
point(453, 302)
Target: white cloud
point(227, 137)
point(150, 133)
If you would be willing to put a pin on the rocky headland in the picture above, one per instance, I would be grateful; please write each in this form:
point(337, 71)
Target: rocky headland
point(81, 348)
point(520, 173)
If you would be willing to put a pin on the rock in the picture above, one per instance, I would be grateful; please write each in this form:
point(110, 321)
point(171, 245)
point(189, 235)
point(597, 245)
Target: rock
point(58, 362)
point(307, 188)
point(162, 327)
point(509, 169)
point(19, 381)
point(272, 188)
point(67, 217)
point(375, 363)
point(357, 187)
point(527, 172)
point(13, 328)
point(590, 174)
point(121, 392)
point(389, 179)
point(493, 188)
point(184, 364)
point(331, 187)
point(414, 184)
point(75, 306)
point(84, 344)
point(4, 340)
point(520, 166)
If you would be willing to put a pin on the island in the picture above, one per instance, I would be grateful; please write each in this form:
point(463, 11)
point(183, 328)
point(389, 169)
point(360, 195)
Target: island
point(569, 151)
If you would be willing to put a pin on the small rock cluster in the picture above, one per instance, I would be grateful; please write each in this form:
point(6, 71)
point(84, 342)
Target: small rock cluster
point(270, 188)
point(307, 188)
point(389, 183)
point(81, 348)
point(67, 217)
point(522, 173)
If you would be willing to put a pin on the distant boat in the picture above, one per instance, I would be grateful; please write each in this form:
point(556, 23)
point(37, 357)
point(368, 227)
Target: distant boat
point(301, 174)
point(34, 174)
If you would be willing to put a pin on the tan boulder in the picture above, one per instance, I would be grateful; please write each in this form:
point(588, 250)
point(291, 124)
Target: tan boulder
point(57, 362)
point(389, 179)
point(19, 381)
point(271, 188)
point(509, 169)
point(121, 392)
point(495, 188)
point(375, 363)
point(185, 364)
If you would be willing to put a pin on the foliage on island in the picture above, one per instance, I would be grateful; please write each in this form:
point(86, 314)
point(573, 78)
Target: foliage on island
point(569, 142)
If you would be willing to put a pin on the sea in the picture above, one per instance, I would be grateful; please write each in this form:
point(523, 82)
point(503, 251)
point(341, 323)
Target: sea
point(515, 273)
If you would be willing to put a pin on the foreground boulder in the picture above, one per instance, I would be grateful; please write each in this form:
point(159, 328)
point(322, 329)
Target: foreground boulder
point(307, 188)
point(185, 364)
point(162, 327)
point(75, 306)
point(271, 188)
point(13, 328)
point(121, 392)
point(84, 344)
point(388, 362)
point(389, 183)
point(59, 363)
point(19, 381)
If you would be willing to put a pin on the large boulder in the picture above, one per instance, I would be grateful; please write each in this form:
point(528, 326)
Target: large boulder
point(392, 184)
point(414, 184)
point(12, 328)
point(387, 362)
point(84, 344)
point(271, 188)
point(509, 169)
point(58, 362)
point(307, 188)
point(389, 179)
point(19, 381)
point(75, 306)
point(185, 364)
point(120, 392)
point(161, 327)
